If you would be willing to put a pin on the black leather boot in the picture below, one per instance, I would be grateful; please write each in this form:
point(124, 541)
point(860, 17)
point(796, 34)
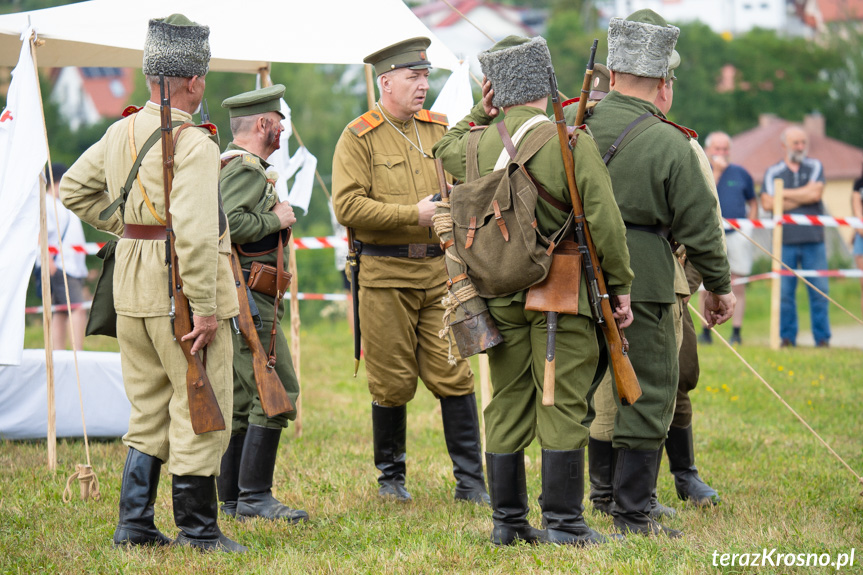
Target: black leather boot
point(657, 509)
point(256, 478)
point(196, 513)
point(389, 431)
point(562, 496)
point(461, 432)
point(600, 460)
point(229, 474)
point(137, 500)
point(508, 487)
point(633, 485)
point(681, 461)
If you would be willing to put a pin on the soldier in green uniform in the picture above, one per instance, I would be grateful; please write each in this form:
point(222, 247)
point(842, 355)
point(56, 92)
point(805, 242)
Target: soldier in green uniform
point(679, 442)
point(518, 84)
point(154, 368)
point(662, 193)
point(256, 218)
point(383, 182)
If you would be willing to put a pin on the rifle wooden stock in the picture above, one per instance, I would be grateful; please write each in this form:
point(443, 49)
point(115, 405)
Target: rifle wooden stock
point(628, 388)
point(204, 410)
point(274, 398)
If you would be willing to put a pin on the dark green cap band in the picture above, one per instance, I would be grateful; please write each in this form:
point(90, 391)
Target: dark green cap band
point(256, 102)
point(405, 54)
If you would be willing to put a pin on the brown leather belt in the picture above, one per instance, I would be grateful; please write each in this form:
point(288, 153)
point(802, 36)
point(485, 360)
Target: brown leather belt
point(139, 232)
point(412, 251)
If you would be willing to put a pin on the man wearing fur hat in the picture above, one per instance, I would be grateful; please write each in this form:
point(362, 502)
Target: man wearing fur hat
point(662, 193)
point(518, 84)
point(679, 443)
point(154, 368)
point(383, 181)
point(257, 218)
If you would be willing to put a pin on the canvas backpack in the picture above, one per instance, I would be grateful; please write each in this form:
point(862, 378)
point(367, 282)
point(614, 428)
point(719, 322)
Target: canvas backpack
point(494, 221)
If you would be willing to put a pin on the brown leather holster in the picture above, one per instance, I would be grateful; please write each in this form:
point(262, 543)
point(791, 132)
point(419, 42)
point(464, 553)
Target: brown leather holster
point(560, 288)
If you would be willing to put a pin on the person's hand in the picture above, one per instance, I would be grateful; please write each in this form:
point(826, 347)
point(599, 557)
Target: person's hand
point(286, 214)
point(623, 311)
point(203, 332)
point(719, 162)
point(487, 96)
point(718, 308)
point(426, 208)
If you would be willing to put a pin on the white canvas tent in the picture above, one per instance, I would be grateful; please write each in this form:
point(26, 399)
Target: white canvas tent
point(244, 36)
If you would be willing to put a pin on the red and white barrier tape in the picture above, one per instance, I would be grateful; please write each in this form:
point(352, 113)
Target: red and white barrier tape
point(794, 220)
point(854, 273)
point(310, 243)
point(300, 296)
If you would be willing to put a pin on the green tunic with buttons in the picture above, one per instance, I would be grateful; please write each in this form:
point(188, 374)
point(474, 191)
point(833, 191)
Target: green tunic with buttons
point(249, 196)
point(657, 182)
point(516, 414)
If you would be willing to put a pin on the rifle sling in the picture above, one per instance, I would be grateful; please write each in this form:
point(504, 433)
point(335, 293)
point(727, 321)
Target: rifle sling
point(628, 134)
point(120, 202)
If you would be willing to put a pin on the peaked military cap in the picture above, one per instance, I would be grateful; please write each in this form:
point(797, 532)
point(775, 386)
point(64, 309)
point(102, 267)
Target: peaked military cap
point(256, 102)
point(600, 84)
point(405, 54)
point(641, 45)
point(176, 46)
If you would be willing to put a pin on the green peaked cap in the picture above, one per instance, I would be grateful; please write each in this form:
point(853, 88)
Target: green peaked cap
point(647, 16)
point(256, 102)
point(409, 53)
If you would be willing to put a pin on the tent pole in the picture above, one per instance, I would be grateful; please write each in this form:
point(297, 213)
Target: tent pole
point(370, 86)
point(46, 292)
point(267, 81)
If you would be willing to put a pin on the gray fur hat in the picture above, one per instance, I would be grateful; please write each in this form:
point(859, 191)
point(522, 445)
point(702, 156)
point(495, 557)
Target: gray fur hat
point(176, 46)
point(641, 45)
point(517, 69)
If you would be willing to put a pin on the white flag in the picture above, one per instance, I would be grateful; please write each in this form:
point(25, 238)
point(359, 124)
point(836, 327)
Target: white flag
point(23, 154)
point(281, 158)
point(455, 98)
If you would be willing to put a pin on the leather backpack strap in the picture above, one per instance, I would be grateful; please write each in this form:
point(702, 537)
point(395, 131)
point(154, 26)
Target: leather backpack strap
point(472, 155)
point(280, 268)
point(533, 142)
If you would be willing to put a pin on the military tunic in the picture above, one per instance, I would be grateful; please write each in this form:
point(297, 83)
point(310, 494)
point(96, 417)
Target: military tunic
point(249, 198)
point(657, 182)
point(154, 368)
point(378, 178)
point(515, 414)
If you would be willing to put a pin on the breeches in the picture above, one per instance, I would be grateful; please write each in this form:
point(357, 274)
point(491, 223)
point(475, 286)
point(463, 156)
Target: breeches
point(247, 402)
point(154, 375)
point(515, 414)
point(653, 353)
point(400, 329)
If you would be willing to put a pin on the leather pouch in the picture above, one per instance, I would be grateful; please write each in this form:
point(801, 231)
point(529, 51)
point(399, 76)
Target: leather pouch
point(262, 279)
point(560, 288)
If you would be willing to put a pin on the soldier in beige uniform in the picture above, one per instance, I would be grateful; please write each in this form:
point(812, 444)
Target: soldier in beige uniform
point(154, 368)
point(383, 181)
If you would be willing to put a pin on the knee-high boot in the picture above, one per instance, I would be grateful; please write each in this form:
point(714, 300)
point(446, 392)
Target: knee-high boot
point(600, 459)
point(227, 483)
point(562, 499)
point(196, 513)
point(633, 485)
point(508, 487)
point(389, 430)
point(137, 501)
point(681, 462)
point(461, 432)
point(256, 478)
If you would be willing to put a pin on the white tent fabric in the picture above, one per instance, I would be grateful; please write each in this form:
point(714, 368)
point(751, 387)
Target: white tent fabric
point(319, 32)
point(24, 402)
point(456, 98)
point(23, 153)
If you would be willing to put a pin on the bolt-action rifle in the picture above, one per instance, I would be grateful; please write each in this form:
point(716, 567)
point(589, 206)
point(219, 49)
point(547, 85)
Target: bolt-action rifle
point(274, 398)
point(203, 408)
point(600, 305)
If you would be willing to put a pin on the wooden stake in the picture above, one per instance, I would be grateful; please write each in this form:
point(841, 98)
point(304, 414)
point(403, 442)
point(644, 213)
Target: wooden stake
point(776, 285)
point(370, 87)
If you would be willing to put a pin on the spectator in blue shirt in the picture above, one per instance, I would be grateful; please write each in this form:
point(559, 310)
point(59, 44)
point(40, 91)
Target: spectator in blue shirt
point(736, 200)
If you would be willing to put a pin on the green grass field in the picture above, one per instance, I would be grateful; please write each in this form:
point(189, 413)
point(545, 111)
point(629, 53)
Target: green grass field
point(780, 487)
